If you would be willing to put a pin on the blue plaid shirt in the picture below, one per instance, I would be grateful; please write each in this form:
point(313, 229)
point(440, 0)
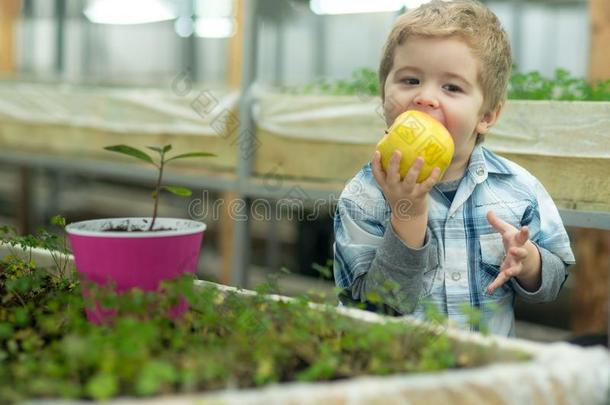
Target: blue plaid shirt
point(468, 251)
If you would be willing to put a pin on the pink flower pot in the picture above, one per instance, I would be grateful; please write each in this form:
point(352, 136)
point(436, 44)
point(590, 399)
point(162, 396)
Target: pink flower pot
point(137, 258)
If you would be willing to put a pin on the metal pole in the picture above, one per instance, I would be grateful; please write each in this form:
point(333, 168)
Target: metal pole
point(28, 36)
point(245, 139)
point(517, 28)
point(24, 207)
point(585, 219)
point(60, 19)
point(273, 242)
point(280, 53)
point(319, 47)
point(190, 44)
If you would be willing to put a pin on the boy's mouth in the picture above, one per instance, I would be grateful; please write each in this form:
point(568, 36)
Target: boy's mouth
point(433, 114)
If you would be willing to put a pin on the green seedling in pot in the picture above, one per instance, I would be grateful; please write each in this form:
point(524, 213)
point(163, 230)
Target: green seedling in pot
point(160, 165)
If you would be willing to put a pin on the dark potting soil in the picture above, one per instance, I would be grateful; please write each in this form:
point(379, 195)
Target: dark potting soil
point(127, 229)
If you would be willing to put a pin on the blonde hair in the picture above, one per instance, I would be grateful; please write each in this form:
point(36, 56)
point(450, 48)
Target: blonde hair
point(469, 21)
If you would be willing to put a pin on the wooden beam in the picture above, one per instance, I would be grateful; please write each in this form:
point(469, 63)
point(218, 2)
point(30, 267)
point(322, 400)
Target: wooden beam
point(9, 12)
point(599, 58)
point(227, 226)
point(590, 301)
point(234, 72)
point(589, 309)
point(234, 63)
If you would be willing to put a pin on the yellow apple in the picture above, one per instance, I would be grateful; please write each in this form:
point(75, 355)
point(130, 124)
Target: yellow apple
point(414, 134)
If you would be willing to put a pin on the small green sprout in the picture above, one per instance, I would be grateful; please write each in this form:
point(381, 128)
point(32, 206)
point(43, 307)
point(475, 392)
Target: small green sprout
point(160, 165)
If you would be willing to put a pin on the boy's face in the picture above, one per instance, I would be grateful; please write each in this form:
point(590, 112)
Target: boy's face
point(438, 76)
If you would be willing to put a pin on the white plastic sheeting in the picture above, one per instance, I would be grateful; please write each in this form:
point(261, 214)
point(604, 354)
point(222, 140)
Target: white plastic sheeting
point(323, 118)
point(548, 128)
point(177, 109)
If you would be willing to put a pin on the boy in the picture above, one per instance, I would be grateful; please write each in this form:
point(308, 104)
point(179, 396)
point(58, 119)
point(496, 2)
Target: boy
point(488, 230)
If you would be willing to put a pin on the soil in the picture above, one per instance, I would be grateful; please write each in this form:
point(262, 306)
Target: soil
point(127, 229)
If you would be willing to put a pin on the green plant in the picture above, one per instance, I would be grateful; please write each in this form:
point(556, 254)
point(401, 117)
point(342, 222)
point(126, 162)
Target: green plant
point(523, 86)
point(324, 271)
point(42, 239)
point(48, 349)
point(160, 165)
point(363, 82)
point(562, 86)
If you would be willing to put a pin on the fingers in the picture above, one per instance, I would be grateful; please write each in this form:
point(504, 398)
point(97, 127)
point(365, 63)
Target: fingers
point(498, 224)
point(434, 177)
point(411, 177)
point(523, 235)
point(393, 174)
point(513, 271)
point(518, 253)
point(498, 282)
point(377, 170)
point(511, 267)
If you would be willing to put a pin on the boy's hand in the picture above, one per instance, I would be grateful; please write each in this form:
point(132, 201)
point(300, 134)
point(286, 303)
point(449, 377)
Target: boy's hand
point(406, 197)
point(517, 247)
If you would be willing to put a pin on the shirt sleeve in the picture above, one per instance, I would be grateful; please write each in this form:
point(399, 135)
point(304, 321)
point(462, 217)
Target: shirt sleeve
point(553, 276)
point(551, 239)
point(372, 261)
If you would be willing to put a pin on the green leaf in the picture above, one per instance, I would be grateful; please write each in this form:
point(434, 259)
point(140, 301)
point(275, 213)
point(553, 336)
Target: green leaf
point(130, 151)
point(156, 149)
point(58, 220)
point(154, 375)
point(162, 150)
point(323, 270)
point(180, 191)
point(102, 386)
point(6, 330)
point(193, 154)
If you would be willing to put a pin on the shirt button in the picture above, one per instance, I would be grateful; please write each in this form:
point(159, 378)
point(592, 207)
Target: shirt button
point(455, 276)
point(480, 171)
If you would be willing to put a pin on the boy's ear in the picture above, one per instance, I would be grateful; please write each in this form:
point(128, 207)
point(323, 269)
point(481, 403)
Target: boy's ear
point(489, 119)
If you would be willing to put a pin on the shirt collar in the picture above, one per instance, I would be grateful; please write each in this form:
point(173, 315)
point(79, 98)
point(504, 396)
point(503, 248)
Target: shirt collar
point(483, 161)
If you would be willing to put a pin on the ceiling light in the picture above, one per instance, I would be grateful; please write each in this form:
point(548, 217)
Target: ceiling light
point(361, 6)
point(354, 6)
point(128, 11)
point(221, 27)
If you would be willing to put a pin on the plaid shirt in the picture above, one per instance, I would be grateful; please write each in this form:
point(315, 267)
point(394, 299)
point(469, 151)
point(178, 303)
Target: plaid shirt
point(468, 249)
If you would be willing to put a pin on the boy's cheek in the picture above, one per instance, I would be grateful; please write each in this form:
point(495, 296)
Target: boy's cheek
point(392, 107)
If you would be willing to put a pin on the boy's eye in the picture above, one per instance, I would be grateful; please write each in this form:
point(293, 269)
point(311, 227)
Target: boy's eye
point(452, 88)
point(410, 80)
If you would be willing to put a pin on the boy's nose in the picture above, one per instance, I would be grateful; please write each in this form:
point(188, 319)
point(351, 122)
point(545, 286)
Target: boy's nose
point(426, 100)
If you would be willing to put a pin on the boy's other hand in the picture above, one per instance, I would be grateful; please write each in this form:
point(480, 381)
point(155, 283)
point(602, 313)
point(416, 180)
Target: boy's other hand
point(515, 245)
point(406, 197)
